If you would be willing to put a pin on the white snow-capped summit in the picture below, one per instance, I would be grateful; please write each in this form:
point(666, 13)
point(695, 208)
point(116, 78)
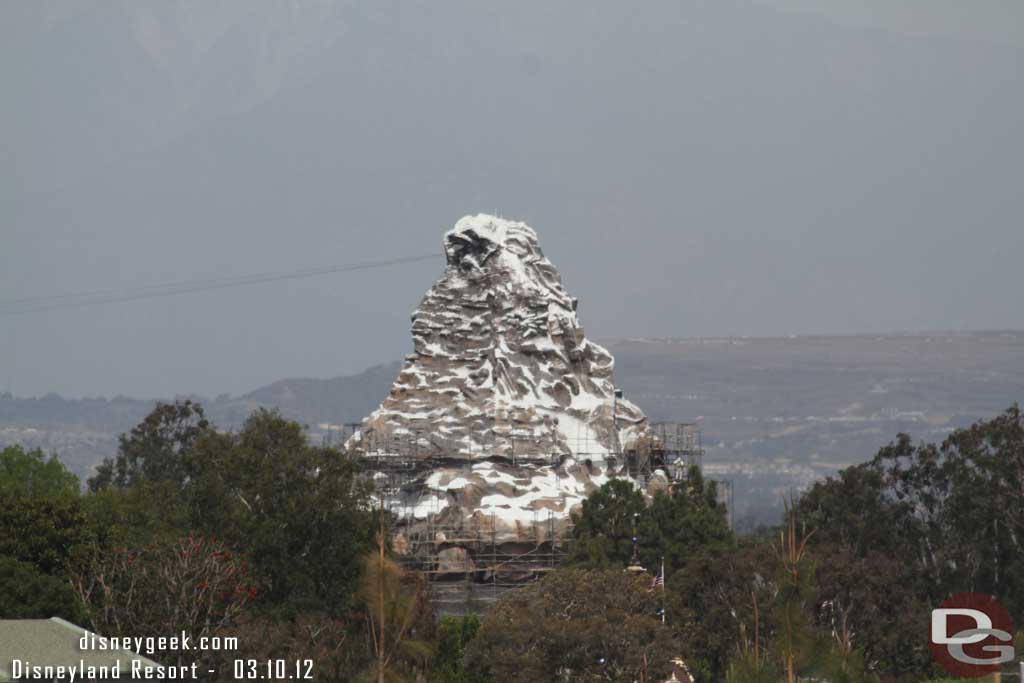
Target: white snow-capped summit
point(484, 235)
point(500, 364)
point(504, 417)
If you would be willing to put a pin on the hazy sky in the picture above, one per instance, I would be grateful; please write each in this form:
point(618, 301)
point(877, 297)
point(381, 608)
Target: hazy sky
point(725, 167)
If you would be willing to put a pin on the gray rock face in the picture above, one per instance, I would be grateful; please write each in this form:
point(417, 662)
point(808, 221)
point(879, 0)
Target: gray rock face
point(500, 366)
point(504, 417)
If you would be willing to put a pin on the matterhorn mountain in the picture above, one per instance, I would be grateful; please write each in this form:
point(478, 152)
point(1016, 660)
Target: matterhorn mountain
point(501, 365)
point(504, 417)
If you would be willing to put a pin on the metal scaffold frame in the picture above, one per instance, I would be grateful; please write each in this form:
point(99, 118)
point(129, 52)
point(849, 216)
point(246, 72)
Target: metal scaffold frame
point(434, 546)
point(480, 567)
point(671, 446)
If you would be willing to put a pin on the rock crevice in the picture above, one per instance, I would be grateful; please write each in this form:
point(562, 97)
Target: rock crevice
point(504, 417)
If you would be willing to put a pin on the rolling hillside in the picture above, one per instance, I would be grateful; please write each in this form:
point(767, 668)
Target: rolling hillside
point(775, 413)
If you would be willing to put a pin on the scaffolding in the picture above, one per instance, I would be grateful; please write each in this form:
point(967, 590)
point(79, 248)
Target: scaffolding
point(469, 561)
point(726, 491)
point(471, 565)
point(673, 447)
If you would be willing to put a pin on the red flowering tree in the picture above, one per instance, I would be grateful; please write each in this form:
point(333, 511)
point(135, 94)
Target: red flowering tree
point(193, 585)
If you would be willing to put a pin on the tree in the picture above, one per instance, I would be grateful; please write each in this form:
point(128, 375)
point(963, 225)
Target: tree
point(722, 589)
point(845, 662)
point(156, 449)
point(300, 512)
point(41, 525)
point(795, 639)
point(28, 593)
point(855, 510)
point(876, 600)
point(136, 516)
point(682, 524)
point(38, 538)
point(751, 663)
point(603, 529)
point(43, 532)
point(685, 527)
point(677, 526)
point(579, 625)
point(395, 605)
point(454, 635)
point(867, 573)
point(29, 474)
point(914, 525)
point(146, 562)
point(329, 643)
point(192, 585)
point(967, 496)
point(749, 666)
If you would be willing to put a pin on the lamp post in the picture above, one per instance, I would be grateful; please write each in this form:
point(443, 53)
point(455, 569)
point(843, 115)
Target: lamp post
point(634, 562)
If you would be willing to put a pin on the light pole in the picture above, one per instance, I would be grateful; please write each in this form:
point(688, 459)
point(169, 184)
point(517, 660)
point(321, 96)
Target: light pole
point(634, 562)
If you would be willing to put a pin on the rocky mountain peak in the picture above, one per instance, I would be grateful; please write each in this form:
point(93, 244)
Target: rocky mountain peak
point(500, 364)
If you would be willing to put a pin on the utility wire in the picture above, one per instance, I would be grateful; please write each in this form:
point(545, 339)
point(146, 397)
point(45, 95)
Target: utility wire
point(36, 304)
point(225, 281)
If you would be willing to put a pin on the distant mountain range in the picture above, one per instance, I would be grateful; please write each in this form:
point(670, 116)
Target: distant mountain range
point(84, 431)
point(775, 413)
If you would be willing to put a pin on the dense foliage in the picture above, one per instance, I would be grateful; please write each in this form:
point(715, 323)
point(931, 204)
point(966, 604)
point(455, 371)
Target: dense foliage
point(846, 588)
point(41, 522)
point(191, 585)
point(676, 527)
point(157, 449)
point(31, 475)
point(260, 534)
point(578, 625)
point(300, 512)
point(918, 523)
point(454, 634)
point(255, 531)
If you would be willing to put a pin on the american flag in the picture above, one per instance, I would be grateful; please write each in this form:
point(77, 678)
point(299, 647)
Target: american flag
point(659, 580)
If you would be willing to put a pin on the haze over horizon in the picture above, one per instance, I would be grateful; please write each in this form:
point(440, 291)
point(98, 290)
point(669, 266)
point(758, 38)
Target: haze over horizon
point(701, 169)
point(612, 344)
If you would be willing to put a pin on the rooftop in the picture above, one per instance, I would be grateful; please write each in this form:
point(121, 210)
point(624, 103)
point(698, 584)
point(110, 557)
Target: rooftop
point(54, 642)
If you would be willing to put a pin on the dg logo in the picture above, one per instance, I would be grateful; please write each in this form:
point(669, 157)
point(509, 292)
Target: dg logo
point(971, 635)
